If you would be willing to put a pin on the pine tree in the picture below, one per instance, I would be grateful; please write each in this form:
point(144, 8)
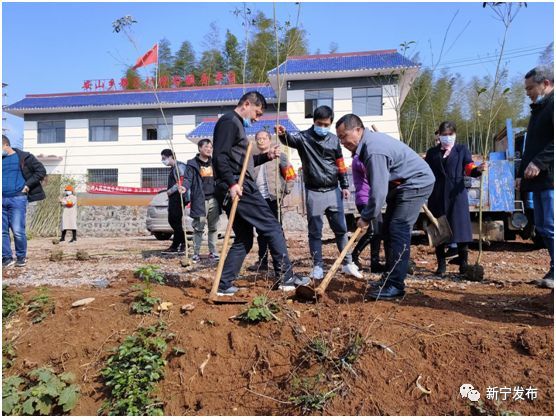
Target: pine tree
point(233, 56)
point(184, 62)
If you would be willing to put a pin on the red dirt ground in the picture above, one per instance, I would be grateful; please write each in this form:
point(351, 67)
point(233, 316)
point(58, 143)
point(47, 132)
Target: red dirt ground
point(449, 332)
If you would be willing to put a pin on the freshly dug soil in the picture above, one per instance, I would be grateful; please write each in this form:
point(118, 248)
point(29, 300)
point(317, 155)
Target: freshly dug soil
point(447, 331)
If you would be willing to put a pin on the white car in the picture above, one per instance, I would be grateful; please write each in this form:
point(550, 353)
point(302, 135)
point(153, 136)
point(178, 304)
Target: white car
point(157, 219)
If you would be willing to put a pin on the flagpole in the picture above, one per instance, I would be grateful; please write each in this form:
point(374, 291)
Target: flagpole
point(156, 71)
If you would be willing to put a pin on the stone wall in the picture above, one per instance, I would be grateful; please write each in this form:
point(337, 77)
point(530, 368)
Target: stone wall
point(112, 221)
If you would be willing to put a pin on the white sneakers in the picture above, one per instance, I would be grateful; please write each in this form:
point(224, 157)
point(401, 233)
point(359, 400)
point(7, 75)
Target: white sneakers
point(317, 273)
point(352, 270)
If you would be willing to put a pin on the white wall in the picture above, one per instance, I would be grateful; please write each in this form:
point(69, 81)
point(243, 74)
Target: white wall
point(129, 154)
point(386, 123)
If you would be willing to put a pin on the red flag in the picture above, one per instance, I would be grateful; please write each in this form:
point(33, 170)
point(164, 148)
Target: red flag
point(151, 57)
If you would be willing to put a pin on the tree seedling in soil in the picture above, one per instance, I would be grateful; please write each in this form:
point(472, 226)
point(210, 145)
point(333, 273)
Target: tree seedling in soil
point(11, 302)
point(131, 373)
point(320, 348)
point(261, 309)
point(40, 306)
point(150, 273)
point(40, 392)
point(144, 302)
point(310, 393)
point(353, 350)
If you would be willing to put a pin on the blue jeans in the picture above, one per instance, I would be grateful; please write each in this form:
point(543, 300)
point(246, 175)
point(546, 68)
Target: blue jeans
point(14, 210)
point(402, 211)
point(543, 203)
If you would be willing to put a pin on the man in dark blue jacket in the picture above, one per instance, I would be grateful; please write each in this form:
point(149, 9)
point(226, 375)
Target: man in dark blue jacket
point(323, 171)
point(536, 170)
point(22, 174)
point(199, 182)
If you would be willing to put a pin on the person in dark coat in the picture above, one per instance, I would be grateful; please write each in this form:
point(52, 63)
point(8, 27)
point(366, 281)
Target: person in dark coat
point(176, 200)
point(205, 209)
point(450, 163)
point(536, 170)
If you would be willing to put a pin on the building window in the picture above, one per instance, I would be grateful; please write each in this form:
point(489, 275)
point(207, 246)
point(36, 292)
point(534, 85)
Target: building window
point(107, 176)
point(316, 98)
point(367, 101)
point(155, 129)
point(154, 177)
point(101, 130)
point(51, 132)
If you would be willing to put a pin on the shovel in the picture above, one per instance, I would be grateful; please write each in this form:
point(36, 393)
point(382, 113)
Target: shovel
point(439, 231)
point(310, 293)
point(213, 297)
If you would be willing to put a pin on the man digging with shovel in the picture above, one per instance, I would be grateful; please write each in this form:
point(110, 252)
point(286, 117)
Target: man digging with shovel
point(230, 149)
point(399, 177)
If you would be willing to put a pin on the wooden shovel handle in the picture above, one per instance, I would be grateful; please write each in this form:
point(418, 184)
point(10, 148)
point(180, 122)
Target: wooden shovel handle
point(430, 215)
point(231, 218)
point(322, 287)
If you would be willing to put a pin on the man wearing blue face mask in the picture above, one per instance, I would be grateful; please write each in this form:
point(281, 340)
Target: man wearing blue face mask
point(22, 174)
point(323, 170)
point(536, 170)
point(230, 146)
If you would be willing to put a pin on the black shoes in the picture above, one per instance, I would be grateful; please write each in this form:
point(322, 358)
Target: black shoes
point(386, 293)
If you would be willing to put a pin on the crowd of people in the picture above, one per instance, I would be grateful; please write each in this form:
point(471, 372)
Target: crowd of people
point(385, 172)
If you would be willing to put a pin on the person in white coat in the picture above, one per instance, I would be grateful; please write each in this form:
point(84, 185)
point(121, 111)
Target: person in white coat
point(69, 213)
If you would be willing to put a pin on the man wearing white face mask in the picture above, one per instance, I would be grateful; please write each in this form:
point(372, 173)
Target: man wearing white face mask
point(323, 170)
point(536, 170)
point(175, 193)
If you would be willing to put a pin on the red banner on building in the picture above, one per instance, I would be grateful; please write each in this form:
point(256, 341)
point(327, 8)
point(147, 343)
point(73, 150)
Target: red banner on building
point(99, 188)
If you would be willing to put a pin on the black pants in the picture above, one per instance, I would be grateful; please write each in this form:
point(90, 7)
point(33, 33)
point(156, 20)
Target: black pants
point(175, 219)
point(372, 236)
point(73, 232)
point(261, 240)
point(402, 211)
point(253, 212)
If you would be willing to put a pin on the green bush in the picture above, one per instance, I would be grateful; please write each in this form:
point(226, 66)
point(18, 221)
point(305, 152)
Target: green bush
point(132, 372)
point(261, 309)
point(40, 306)
point(11, 302)
point(150, 273)
point(41, 392)
point(144, 302)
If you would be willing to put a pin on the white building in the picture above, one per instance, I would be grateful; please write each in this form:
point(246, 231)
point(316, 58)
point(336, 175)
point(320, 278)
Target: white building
point(115, 138)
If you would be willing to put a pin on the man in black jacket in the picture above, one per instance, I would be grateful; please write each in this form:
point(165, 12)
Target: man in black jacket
point(22, 174)
point(323, 169)
point(536, 171)
point(230, 146)
point(199, 181)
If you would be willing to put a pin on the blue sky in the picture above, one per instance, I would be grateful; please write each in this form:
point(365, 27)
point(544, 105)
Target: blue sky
point(53, 47)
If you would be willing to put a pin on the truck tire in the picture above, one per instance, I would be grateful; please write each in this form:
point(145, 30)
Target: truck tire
point(162, 236)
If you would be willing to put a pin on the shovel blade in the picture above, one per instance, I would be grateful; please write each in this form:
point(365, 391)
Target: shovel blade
point(441, 234)
point(306, 293)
